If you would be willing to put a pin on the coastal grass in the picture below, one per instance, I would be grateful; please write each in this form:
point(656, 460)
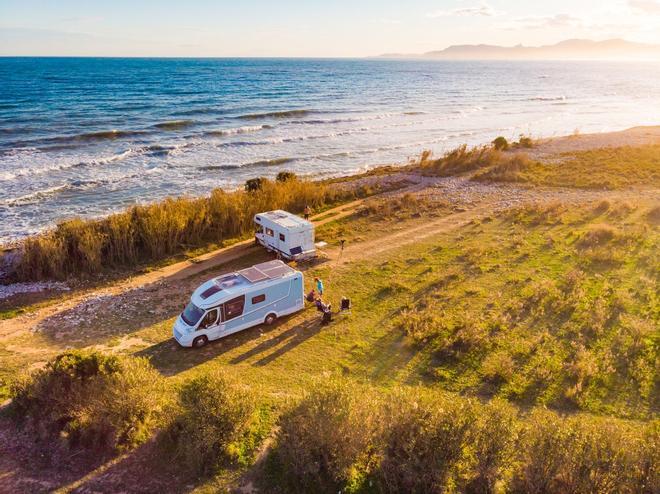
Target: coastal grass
point(148, 233)
point(603, 168)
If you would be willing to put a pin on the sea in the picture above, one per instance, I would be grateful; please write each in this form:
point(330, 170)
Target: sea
point(90, 136)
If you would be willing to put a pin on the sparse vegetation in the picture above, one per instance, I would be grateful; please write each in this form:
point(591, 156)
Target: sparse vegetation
point(606, 168)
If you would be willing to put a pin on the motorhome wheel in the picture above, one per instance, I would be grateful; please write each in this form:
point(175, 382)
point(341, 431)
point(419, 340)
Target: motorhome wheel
point(200, 341)
point(270, 319)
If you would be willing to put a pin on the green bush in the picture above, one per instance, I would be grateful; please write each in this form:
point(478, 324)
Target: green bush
point(424, 442)
point(285, 176)
point(254, 184)
point(585, 454)
point(215, 423)
point(500, 143)
point(91, 400)
point(325, 443)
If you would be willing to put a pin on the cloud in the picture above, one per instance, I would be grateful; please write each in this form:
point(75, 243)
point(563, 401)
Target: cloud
point(645, 6)
point(481, 10)
point(549, 21)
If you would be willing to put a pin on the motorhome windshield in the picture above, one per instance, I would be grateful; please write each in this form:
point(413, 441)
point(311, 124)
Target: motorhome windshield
point(192, 314)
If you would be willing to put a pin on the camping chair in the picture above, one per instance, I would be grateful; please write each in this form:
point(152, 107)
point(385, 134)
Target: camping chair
point(345, 305)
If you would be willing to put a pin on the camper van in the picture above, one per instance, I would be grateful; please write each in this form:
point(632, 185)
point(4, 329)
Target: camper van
point(236, 301)
point(290, 236)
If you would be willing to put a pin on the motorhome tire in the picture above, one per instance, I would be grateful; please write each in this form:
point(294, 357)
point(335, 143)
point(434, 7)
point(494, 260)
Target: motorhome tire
point(270, 319)
point(200, 341)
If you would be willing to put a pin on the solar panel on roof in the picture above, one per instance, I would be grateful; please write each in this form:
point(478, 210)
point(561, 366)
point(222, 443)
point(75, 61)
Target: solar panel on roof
point(253, 274)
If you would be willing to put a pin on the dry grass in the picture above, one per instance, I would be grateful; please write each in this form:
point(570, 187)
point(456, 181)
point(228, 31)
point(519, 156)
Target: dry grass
point(152, 232)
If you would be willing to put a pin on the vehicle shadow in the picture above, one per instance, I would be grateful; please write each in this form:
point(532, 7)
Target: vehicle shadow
point(99, 319)
point(291, 338)
point(169, 358)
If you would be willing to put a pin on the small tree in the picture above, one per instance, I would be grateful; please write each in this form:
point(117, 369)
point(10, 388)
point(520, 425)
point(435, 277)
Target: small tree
point(501, 144)
point(285, 176)
point(254, 184)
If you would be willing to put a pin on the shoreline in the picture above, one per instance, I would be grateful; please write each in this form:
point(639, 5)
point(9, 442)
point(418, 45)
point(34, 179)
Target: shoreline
point(544, 149)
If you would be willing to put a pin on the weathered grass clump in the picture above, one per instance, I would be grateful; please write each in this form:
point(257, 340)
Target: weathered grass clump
point(425, 441)
point(89, 400)
point(155, 231)
point(215, 423)
point(460, 160)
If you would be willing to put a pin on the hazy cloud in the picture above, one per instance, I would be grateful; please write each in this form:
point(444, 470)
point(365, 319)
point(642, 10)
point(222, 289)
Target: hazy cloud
point(645, 6)
point(549, 21)
point(481, 10)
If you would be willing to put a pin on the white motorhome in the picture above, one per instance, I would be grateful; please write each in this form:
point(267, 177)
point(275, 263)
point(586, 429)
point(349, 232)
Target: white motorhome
point(236, 301)
point(290, 236)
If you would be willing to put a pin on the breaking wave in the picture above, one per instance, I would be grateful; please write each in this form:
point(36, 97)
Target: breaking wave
point(174, 124)
point(276, 114)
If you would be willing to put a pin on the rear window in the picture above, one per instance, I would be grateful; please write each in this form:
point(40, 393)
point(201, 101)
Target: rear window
point(258, 299)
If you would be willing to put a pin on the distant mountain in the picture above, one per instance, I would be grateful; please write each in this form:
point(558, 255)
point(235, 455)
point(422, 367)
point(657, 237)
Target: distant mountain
point(572, 49)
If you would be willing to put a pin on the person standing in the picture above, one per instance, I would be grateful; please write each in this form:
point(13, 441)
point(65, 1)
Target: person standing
point(307, 211)
point(319, 286)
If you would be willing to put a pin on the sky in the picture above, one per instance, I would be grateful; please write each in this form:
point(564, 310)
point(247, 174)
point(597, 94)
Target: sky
point(310, 28)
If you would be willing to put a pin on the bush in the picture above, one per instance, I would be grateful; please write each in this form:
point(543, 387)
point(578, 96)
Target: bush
point(424, 442)
point(285, 176)
point(325, 443)
point(215, 423)
point(91, 400)
point(585, 454)
point(500, 143)
point(254, 184)
point(525, 142)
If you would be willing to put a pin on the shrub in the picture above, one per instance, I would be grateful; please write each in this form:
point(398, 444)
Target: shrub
point(91, 400)
point(215, 423)
point(326, 442)
point(500, 143)
point(525, 142)
point(254, 184)
point(584, 454)
point(285, 176)
point(493, 447)
point(424, 442)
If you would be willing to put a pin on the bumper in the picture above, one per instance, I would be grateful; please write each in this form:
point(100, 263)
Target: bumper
point(183, 339)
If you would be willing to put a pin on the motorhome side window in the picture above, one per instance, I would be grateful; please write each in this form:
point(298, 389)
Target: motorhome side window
point(270, 232)
point(209, 319)
point(258, 299)
point(282, 238)
point(234, 308)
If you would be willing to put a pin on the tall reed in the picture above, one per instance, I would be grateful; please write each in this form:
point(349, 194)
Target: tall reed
point(151, 232)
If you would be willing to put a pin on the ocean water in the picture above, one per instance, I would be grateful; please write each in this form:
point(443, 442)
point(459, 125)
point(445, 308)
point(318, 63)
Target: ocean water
point(85, 136)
